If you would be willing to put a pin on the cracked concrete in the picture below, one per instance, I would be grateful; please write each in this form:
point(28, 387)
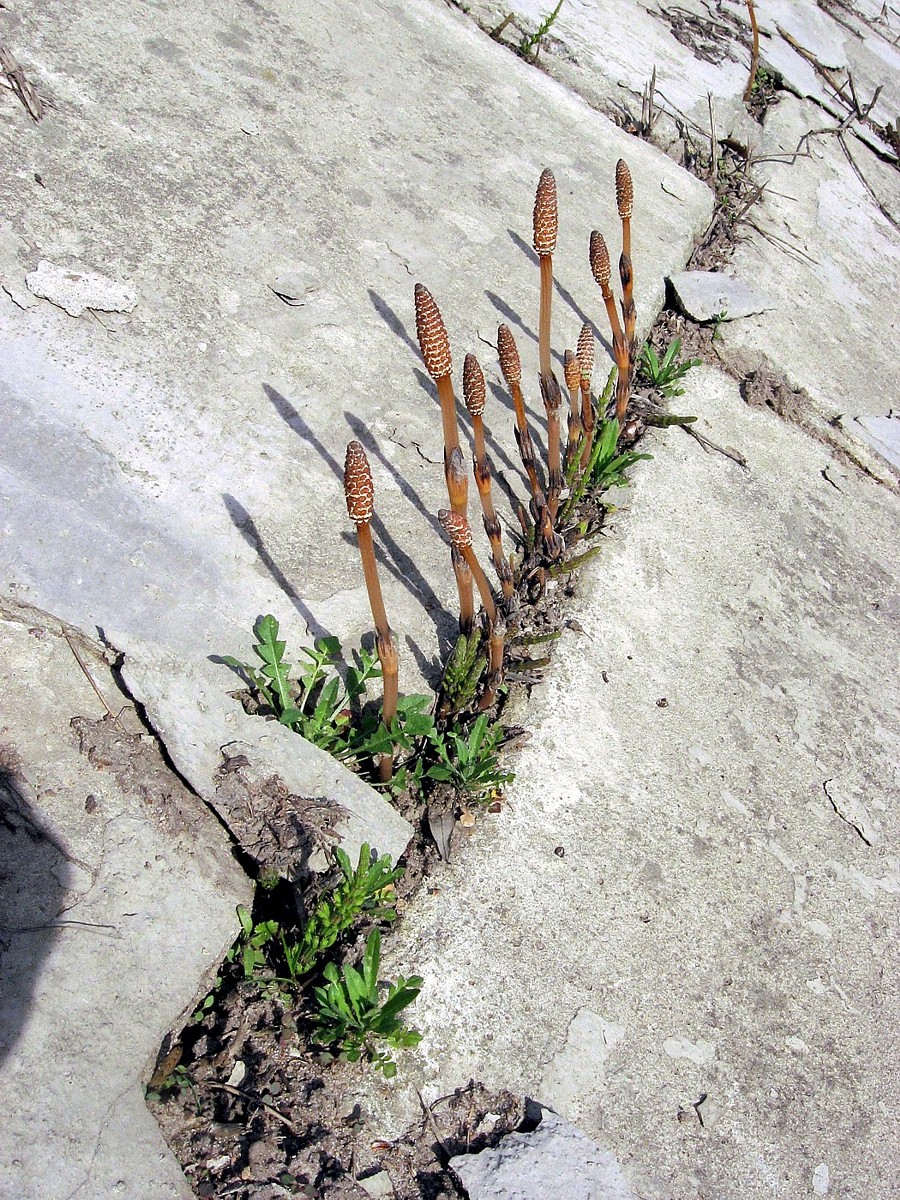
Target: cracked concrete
point(119, 892)
point(682, 930)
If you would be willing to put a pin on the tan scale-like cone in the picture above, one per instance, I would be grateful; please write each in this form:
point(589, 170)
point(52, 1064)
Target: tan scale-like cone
point(511, 366)
point(474, 390)
point(432, 334)
point(573, 383)
point(600, 268)
point(585, 354)
point(435, 347)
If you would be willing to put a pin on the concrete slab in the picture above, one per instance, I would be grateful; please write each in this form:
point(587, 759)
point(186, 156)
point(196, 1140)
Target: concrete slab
point(252, 179)
point(831, 259)
point(701, 54)
point(681, 933)
point(119, 896)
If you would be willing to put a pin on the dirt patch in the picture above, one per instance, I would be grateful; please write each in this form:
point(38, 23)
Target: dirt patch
point(277, 829)
point(253, 1112)
point(138, 765)
point(710, 36)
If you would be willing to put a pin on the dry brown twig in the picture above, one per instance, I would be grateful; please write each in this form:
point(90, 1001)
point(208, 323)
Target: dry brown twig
point(19, 85)
point(359, 493)
point(754, 55)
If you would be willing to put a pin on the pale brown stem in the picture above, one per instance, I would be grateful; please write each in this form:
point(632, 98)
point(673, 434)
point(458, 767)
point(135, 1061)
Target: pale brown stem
point(587, 420)
point(497, 638)
point(754, 57)
point(448, 413)
point(546, 302)
point(457, 480)
point(491, 523)
point(526, 449)
point(458, 491)
point(552, 403)
point(621, 355)
point(384, 641)
point(484, 588)
point(629, 312)
point(464, 587)
point(496, 627)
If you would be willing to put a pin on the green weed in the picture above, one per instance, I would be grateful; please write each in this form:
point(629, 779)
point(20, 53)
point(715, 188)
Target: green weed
point(352, 1015)
point(471, 762)
point(530, 45)
point(363, 890)
point(328, 709)
point(666, 373)
point(466, 665)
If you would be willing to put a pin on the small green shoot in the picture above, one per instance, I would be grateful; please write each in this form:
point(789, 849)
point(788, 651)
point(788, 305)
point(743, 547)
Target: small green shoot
point(717, 324)
point(363, 890)
point(530, 45)
point(666, 373)
point(471, 763)
point(606, 467)
point(353, 1016)
point(254, 939)
point(466, 665)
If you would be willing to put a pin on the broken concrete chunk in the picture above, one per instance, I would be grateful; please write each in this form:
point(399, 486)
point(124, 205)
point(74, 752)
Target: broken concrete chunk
point(76, 291)
point(233, 759)
point(705, 295)
point(555, 1161)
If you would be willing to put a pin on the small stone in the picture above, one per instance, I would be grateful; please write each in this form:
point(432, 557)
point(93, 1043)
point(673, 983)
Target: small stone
point(821, 1181)
point(706, 295)
point(554, 1162)
point(378, 1186)
point(238, 1074)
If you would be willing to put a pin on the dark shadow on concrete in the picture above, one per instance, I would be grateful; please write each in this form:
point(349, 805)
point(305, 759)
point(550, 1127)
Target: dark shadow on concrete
point(387, 551)
point(34, 877)
point(393, 322)
point(536, 425)
point(510, 316)
point(564, 294)
point(431, 668)
point(361, 433)
point(247, 528)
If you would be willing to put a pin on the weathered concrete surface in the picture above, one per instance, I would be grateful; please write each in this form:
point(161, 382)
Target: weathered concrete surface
point(825, 242)
point(188, 456)
point(831, 259)
point(682, 931)
point(119, 892)
point(607, 53)
point(715, 295)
